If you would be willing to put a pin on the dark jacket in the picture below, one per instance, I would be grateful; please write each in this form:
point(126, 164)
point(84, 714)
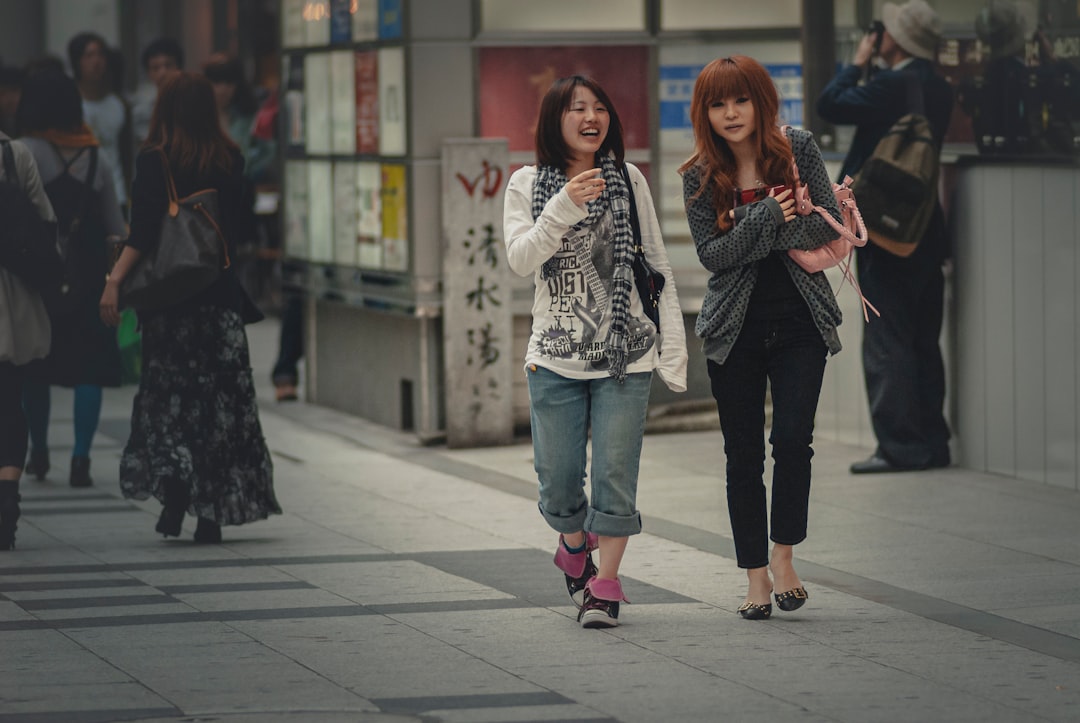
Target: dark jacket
point(875, 106)
point(733, 256)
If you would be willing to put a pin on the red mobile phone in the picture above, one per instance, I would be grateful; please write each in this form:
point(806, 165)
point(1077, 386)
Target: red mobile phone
point(750, 195)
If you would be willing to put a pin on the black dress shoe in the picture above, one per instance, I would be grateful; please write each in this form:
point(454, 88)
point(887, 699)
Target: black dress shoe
point(875, 464)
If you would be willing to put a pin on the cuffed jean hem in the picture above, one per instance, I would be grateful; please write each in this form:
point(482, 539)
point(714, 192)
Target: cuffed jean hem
point(601, 523)
point(565, 525)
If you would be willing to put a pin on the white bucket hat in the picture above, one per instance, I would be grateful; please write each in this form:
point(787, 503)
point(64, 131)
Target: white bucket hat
point(914, 26)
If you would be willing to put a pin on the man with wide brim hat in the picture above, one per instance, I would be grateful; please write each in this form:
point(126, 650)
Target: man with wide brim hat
point(914, 26)
point(902, 362)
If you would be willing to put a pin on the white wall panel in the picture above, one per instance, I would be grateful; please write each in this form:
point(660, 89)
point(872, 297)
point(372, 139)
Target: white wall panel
point(1029, 337)
point(997, 264)
point(1059, 289)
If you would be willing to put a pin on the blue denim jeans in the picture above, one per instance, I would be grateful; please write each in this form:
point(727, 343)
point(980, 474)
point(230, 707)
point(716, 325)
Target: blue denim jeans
point(789, 354)
point(563, 411)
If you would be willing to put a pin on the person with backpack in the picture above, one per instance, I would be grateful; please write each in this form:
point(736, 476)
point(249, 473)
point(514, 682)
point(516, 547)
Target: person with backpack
point(78, 181)
point(902, 361)
point(25, 332)
point(94, 66)
point(765, 320)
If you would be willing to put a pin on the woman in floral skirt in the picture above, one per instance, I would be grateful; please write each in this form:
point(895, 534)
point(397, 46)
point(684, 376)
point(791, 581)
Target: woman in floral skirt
point(196, 443)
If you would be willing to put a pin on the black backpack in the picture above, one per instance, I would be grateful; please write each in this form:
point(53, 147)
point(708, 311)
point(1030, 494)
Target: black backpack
point(81, 235)
point(27, 242)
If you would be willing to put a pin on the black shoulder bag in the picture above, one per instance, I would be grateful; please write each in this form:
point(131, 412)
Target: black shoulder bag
point(648, 280)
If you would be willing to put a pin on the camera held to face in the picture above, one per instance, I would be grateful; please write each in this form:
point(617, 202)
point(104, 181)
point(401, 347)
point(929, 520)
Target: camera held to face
point(877, 29)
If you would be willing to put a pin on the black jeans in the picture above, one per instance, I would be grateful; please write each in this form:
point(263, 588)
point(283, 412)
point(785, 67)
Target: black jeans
point(13, 431)
point(789, 354)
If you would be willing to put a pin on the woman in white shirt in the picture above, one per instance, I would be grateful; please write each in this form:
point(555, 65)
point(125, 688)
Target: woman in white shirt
point(593, 348)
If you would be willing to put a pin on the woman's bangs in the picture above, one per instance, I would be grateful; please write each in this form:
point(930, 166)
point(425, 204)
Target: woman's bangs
point(725, 80)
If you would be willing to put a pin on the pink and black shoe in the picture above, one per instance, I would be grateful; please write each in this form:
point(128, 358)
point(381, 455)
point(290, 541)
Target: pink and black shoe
point(601, 608)
point(577, 566)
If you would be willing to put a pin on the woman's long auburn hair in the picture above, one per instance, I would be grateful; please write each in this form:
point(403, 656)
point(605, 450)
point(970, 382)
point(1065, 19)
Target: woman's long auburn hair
point(738, 76)
point(186, 123)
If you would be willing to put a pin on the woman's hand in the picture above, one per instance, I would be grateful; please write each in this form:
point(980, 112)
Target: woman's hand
point(109, 306)
point(786, 199)
point(586, 186)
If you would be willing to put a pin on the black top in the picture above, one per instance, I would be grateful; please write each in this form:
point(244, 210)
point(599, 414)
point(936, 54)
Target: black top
point(150, 200)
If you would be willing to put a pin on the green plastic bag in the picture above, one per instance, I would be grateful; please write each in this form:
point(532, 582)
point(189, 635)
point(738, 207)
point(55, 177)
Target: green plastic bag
point(130, 341)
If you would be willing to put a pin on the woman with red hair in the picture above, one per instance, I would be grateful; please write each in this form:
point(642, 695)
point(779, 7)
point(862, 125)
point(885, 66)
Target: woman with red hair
point(764, 320)
point(196, 443)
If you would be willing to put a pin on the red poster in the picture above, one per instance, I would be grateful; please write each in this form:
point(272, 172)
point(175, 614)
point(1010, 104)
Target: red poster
point(367, 101)
point(514, 80)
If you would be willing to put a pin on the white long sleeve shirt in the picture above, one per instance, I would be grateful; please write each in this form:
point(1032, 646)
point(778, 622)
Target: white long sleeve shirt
point(572, 310)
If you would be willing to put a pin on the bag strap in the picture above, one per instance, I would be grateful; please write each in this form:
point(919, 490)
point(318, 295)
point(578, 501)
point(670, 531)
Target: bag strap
point(916, 96)
point(635, 224)
point(88, 190)
point(11, 173)
point(857, 238)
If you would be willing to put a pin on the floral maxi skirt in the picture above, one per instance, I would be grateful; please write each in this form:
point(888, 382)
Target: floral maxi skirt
point(195, 421)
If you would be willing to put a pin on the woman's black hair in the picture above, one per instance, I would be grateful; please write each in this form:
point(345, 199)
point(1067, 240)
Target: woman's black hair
point(551, 148)
point(50, 101)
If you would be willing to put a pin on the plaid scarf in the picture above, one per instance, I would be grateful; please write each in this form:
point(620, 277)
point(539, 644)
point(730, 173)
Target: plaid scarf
point(615, 197)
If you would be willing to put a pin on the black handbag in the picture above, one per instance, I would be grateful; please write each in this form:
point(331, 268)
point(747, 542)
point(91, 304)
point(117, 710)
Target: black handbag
point(648, 280)
point(189, 256)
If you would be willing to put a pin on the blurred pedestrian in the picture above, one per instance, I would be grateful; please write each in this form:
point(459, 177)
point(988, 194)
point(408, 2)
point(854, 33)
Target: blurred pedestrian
point(196, 443)
point(238, 106)
point(764, 322)
point(902, 362)
point(78, 181)
point(106, 112)
point(285, 374)
point(162, 57)
point(24, 336)
point(590, 360)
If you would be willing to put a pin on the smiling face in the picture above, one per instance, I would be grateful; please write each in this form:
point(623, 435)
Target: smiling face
point(733, 119)
point(585, 124)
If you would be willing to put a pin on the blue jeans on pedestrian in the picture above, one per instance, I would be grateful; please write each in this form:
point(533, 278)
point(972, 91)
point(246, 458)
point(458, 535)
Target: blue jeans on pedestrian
point(789, 354)
point(563, 411)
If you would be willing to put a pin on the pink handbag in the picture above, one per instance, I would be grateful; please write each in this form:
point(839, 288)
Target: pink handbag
point(839, 251)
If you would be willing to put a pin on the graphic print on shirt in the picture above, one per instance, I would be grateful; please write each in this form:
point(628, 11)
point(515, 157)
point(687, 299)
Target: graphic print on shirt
point(580, 293)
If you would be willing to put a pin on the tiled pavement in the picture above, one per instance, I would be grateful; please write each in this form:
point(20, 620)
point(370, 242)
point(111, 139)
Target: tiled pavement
point(415, 583)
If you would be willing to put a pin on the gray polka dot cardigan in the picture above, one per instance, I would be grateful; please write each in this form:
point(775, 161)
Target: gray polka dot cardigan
point(733, 257)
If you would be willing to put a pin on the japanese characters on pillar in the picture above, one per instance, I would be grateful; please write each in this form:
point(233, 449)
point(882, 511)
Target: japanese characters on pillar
point(477, 326)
